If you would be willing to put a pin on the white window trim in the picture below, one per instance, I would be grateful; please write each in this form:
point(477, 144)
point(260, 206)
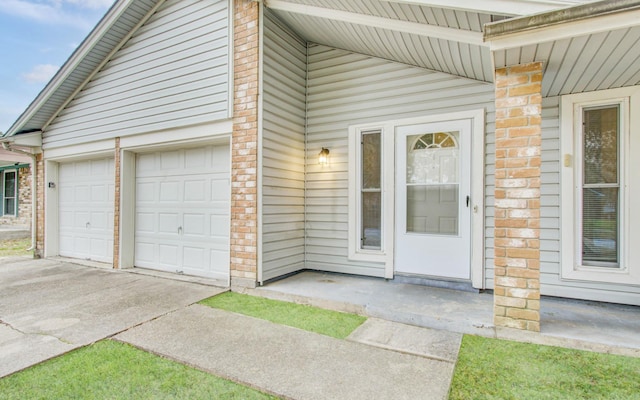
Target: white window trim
point(356, 253)
point(571, 156)
point(387, 128)
point(15, 193)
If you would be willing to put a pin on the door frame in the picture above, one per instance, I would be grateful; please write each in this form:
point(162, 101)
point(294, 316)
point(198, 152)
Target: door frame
point(386, 255)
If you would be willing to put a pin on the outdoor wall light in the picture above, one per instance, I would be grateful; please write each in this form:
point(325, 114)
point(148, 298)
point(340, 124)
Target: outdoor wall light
point(323, 156)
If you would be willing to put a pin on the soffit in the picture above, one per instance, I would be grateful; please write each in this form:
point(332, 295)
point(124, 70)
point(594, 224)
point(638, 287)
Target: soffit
point(371, 36)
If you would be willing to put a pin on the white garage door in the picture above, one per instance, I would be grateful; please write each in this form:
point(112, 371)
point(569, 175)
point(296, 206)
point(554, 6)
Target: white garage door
point(182, 211)
point(85, 198)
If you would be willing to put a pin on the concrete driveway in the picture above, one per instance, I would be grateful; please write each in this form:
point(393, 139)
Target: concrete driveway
point(50, 307)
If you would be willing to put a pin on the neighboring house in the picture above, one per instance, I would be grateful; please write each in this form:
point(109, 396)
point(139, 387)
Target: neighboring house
point(489, 145)
point(15, 189)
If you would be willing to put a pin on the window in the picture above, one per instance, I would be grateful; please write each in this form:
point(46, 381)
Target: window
point(9, 192)
point(370, 219)
point(371, 191)
point(601, 192)
point(599, 186)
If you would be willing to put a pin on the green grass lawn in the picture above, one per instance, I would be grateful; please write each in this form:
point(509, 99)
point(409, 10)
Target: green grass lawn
point(15, 247)
point(499, 369)
point(326, 322)
point(114, 370)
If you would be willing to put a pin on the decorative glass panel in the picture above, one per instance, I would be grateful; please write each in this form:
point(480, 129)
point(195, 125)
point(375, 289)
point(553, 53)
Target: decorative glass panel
point(600, 188)
point(371, 193)
point(433, 183)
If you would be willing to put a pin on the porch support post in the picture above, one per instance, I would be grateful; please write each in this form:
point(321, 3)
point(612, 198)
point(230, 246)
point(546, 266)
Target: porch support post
point(517, 197)
point(116, 205)
point(244, 203)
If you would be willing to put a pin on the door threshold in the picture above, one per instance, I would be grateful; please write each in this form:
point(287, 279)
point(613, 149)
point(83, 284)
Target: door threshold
point(439, 282)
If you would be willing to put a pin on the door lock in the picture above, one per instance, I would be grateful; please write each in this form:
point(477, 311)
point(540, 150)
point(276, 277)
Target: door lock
point(468, 198)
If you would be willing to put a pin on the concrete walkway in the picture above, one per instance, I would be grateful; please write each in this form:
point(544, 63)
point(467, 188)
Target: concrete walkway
point(49, 307)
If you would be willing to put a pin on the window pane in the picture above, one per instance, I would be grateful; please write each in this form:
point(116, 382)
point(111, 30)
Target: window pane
point(600, 145)
point(9, 206)
point(600, 227)
point(9, 184)
point(371, 160)
point(432, 209)
point(371, 220)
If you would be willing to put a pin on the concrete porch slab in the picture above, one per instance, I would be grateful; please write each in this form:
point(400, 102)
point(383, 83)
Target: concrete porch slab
point(586, 325)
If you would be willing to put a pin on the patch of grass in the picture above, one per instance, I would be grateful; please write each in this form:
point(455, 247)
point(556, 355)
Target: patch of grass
point(326, 322)
point(15, 247)
point(499, 369)
point(113, 370)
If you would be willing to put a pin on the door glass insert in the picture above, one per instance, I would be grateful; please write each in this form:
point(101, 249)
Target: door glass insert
point(433, 183)
point(600, 187)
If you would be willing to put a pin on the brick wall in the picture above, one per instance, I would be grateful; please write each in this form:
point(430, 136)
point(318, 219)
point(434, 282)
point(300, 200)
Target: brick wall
point(116, 207)
point(24, 201)
point(244, 205)
point(40, 185)
point(517, 197)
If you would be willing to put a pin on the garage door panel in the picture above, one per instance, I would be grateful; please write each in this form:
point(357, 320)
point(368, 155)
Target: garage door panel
point(169, 191)
point(194, 224)
point(185, 194)
point(195, 190)
point(85, 212)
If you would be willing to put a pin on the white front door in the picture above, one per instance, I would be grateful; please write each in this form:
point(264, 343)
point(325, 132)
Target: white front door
point(433, 203)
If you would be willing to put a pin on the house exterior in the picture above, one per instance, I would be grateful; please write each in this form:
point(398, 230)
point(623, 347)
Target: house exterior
point(15, 189)
point(471, 144)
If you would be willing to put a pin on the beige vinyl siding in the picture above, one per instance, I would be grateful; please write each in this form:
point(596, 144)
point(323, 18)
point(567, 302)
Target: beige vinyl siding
point(347, 88)
point(173, 72)
point(551, 282)
point(283, 126)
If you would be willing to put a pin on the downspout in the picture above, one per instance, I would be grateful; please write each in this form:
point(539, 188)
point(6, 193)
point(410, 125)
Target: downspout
point(34, 186)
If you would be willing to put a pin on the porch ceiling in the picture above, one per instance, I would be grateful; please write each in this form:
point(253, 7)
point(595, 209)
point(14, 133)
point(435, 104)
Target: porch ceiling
point(434, 34)
point(590, 47)
point(438, 39)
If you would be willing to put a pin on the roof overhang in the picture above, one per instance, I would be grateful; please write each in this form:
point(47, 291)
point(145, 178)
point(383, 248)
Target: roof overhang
point(503, 7)
point(585, 19)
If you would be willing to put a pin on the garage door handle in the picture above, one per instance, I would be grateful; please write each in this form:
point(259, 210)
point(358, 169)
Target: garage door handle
point(179, 230)
point(88, 225)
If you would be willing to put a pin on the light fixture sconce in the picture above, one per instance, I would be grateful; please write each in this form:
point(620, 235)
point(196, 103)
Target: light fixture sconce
point(323, 156)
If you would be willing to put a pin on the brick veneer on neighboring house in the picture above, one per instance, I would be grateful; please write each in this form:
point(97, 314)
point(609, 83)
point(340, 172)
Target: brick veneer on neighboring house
point(517, 197)
point(244, 146)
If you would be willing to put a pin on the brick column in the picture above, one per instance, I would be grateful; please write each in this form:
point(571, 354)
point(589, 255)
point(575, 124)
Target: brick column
point(244, 146)
point(116, 207)
point(39, 198)
point(517, 194)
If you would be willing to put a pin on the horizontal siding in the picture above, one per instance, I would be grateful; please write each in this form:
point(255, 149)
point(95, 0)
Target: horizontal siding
point(173, 72)
point(551, 282)
point(348, 88)
point(282, 152)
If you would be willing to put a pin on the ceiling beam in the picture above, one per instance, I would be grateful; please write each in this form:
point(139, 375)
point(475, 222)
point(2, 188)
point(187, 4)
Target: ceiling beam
point(438, 32)
point(497, 7)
